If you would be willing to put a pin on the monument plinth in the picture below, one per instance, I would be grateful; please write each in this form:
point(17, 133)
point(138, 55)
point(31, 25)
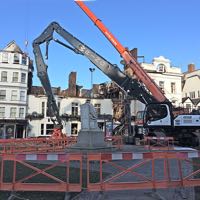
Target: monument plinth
point(90, 136)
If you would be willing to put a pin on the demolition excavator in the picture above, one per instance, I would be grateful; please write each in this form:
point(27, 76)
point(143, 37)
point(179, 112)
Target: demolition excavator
point(158, 114)
point(124, 82)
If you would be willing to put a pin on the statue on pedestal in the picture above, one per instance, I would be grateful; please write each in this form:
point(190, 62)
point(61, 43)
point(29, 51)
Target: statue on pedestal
point(90, 137)
point(88, 117)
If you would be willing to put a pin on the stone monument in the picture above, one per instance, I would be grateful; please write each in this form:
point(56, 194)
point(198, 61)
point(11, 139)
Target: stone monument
point(88, 117)
point(90, 136)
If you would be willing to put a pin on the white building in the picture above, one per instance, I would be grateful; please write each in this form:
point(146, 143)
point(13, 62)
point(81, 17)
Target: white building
point(41, 125)
point(15, 67)
point(191, 88)
point(167, 77)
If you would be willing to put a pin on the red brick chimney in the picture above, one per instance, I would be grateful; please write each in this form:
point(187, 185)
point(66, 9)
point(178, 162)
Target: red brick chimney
point(191, 68)
point(134, 53)
point(72, 84)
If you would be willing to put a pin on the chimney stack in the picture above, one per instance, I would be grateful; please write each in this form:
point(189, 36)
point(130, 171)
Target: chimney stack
point(134, 53)
point(72, 84)
point(191, 68)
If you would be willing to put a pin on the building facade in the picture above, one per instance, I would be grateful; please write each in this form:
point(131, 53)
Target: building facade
point(15, 70)
point(40, 124)
point(167, 77)
point(191, 88)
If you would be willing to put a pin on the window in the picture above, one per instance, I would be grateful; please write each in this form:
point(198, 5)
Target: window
point(10, 131)
point(22, 95)
point(49, 129)
point(192, 95)
point(97, 108)
point(74, 109)
point(16, 58)
point(21, 112)
point(198, 93)
point(5, 58)
point(188, 107)
point(15, 77)
point(13, 112)
point(161, 85)
point(2, 111)
point(23, 78)
point(101, 125)
point(13, 95)
point(42, 129)
point(173, 88)
point(4, 76)
point(43, 107)
point(74, 129)
point(185, 94)
point(2, 94)
point(23, 59)
point(161, 68)
point(2, 135)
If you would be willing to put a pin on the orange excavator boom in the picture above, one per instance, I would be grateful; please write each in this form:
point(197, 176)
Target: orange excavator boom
point(126, 55)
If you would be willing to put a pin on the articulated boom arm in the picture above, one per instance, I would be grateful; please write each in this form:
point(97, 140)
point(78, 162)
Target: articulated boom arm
point(130, 86)
point(129, 59)
point(53, 110)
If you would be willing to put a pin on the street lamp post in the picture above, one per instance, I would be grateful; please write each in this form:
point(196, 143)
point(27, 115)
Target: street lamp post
point(92, 70)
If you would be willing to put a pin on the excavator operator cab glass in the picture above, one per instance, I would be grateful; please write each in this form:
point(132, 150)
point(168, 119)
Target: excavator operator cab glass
point(139, 117)
point(155, 112)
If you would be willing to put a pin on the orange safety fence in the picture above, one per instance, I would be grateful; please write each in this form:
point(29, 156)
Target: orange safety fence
point(150, 170)
point(159, 143)
point(71, 172)
point(9, 146)
point(41, 172)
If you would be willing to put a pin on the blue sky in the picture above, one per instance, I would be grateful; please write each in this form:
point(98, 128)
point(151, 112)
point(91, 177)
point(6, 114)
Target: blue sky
point(156, 27)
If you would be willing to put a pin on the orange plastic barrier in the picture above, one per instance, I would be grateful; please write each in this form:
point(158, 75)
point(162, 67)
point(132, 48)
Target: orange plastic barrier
point(34, 145)
point(130, 171)
point(9, 146)
point(41, 172)
point(101, 171)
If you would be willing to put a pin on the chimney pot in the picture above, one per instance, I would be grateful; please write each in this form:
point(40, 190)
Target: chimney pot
point(191, 68)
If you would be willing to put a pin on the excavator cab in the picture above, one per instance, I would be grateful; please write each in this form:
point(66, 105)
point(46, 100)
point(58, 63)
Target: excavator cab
point(157, 114)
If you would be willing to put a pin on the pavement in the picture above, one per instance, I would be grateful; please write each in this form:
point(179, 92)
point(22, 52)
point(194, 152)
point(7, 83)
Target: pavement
point(164, 194)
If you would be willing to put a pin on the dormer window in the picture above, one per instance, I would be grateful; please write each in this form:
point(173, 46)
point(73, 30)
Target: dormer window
point(16, 58)
point(161, 68)
point(23, 59)
point(4, 57)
